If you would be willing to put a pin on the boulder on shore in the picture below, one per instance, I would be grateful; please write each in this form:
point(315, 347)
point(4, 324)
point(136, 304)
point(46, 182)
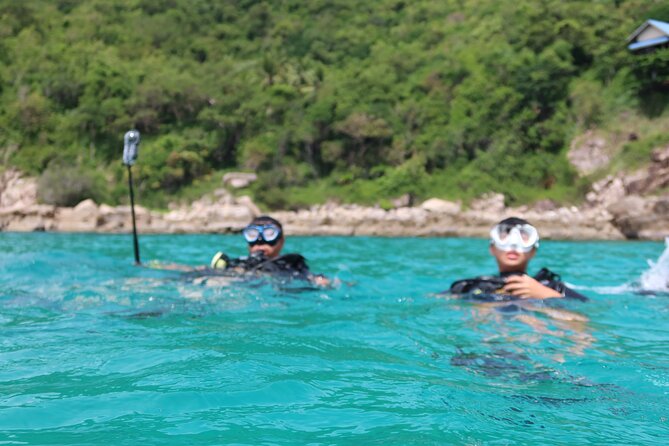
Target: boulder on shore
point(238, 180)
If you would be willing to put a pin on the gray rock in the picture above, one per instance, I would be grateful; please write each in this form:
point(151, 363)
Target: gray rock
point(86, 207)
point(660, 156)
point(630, 205)
point(403, 201)
point(491, 202)
point(543, 206)
point(69, 220)
point(439, 206)
point(246, 201)
point(17, 190)
point(28, 223)
point(238, 180)
point(589, 153)
point(661, 207)
point(607, 191)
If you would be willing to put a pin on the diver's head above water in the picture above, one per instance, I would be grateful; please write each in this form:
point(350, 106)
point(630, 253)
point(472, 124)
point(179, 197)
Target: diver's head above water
point(264, 235)
point(513, 243)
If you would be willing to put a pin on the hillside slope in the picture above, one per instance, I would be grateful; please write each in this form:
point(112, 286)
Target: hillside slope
point(323, 99)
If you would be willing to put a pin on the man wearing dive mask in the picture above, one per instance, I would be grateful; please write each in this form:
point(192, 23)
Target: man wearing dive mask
point(265, 239)
point(265, 235)
point(513, 243)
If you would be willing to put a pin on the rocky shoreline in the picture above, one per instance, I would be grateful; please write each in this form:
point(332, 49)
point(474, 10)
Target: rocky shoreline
point(625, 206)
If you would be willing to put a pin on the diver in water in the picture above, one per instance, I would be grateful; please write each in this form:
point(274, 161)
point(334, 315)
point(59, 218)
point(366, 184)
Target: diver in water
point(513, 243)
point(265, 239)
point(514, 295)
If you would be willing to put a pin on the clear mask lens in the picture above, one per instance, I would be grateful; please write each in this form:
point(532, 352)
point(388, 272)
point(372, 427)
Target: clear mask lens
point(251, 234)
point(267, 233)
point(270, 233)
point(521, 238)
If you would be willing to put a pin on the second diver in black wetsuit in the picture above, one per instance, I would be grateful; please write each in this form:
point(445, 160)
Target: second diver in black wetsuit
point(265, 239)
point(513, 243)
point(520, 298)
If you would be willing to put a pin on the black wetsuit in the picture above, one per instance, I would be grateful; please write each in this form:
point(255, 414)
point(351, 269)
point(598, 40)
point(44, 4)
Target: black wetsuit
point(488, 288)
point(292, 266)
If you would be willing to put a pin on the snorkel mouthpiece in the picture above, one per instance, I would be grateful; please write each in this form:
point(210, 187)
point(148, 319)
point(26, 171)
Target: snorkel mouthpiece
point(519, 238)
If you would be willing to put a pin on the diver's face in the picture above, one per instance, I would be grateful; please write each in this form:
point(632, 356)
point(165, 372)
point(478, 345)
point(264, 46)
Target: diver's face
point(512, 261)
point(270, 251)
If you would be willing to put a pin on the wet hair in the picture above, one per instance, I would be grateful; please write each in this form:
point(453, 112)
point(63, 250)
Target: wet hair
point(265, 219)
point(514, 221)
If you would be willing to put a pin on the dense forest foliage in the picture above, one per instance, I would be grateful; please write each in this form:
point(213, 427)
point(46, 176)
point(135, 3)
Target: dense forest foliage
point(357, 101)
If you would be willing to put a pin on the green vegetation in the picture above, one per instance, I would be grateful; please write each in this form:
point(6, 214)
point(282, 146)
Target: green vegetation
point(67, 185)
point(636, 153)
point(324, 99)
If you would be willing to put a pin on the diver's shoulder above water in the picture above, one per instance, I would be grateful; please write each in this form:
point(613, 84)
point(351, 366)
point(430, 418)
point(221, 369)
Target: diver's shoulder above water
point(481, 289)
point(498, 288)
point(292, 264)
point(513, 244)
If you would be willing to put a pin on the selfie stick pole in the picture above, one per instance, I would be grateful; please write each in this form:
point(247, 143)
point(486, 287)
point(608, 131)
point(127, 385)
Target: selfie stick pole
point(130, 147)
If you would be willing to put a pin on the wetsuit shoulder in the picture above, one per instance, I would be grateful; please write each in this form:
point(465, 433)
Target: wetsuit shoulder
point(293, 261)
point(552, 280)
point(293, 264)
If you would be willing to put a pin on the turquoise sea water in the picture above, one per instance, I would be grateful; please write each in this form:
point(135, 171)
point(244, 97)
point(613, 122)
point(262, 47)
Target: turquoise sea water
point(97, 351)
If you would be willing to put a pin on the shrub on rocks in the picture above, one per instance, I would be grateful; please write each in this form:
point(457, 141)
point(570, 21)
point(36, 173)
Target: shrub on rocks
point(65, 185)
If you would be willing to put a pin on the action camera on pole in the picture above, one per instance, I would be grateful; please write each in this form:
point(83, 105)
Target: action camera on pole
point(130, 150)
point(130, 147)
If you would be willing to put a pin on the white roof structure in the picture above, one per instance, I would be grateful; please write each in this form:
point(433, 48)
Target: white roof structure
point(653, 33)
